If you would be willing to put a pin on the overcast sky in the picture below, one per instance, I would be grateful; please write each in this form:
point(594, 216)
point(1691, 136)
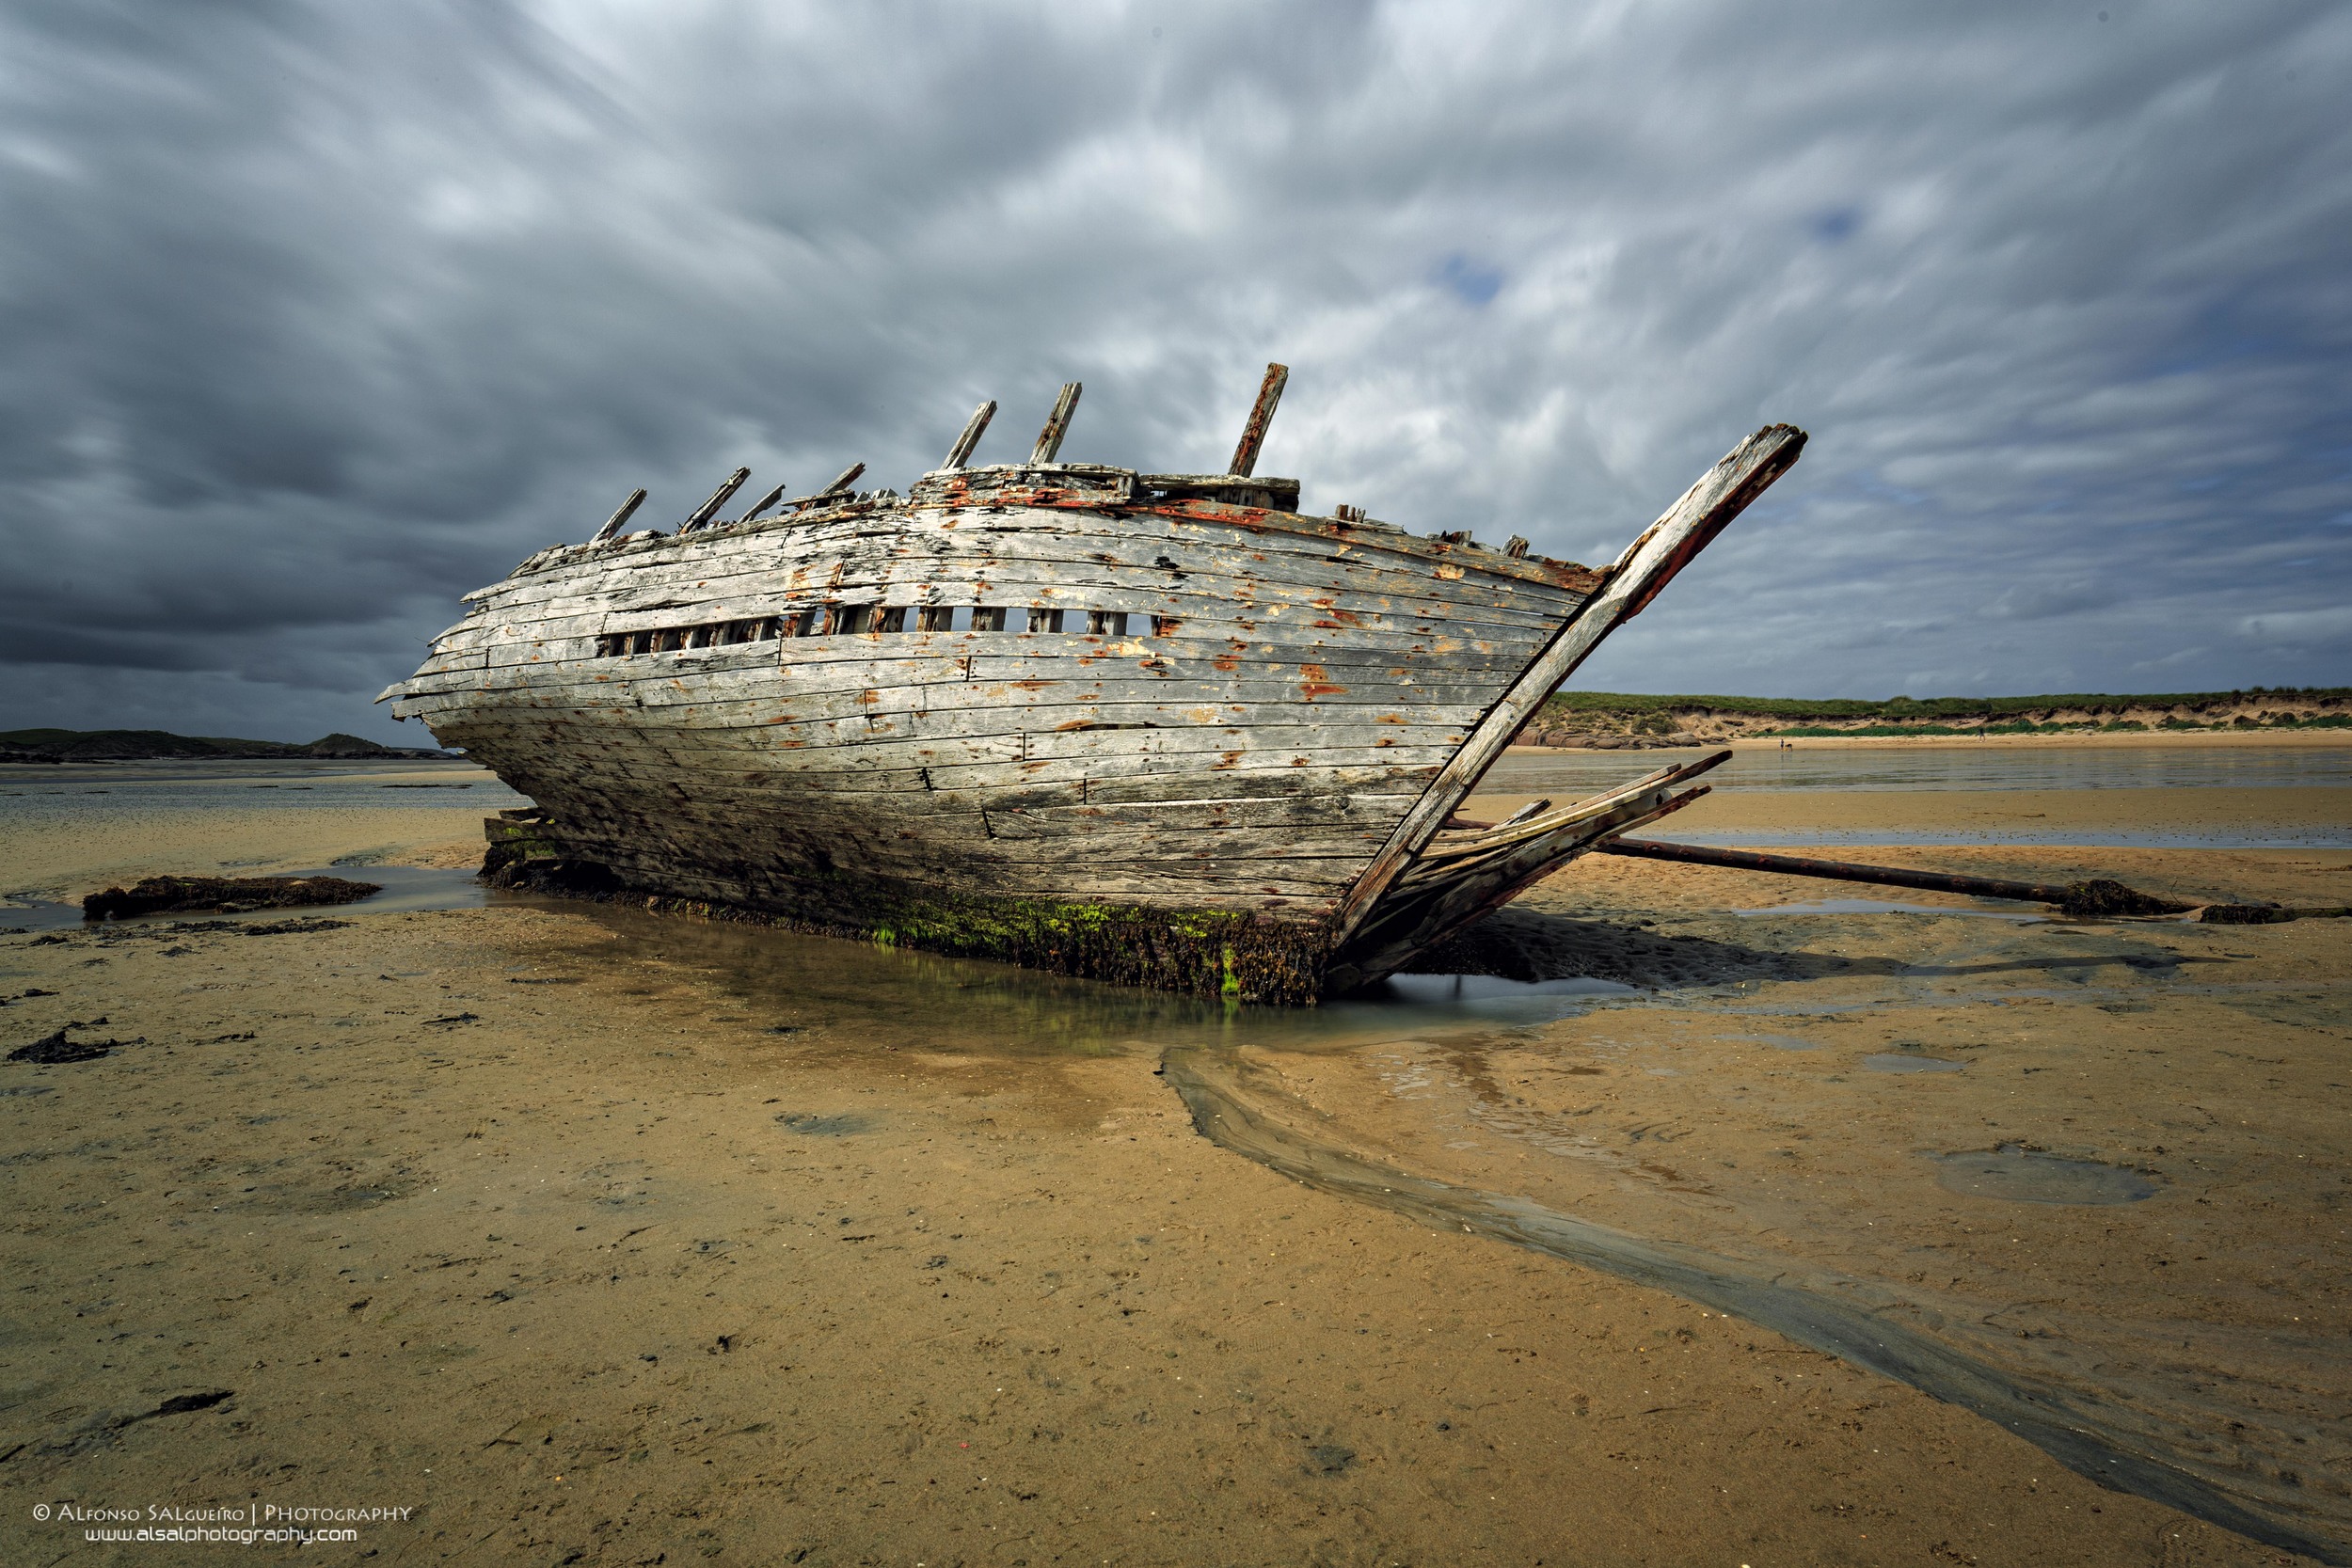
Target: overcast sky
point(313, 317)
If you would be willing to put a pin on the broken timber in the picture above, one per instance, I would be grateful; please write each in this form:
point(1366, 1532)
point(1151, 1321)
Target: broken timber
point(2093, 898)
point(1153, 728)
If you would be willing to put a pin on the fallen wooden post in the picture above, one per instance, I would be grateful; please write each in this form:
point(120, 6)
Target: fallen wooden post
point(846, 478)
point(2098, 896)
point(2092, 897)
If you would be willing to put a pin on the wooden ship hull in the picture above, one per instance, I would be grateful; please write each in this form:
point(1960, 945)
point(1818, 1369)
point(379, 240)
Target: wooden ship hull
point(1157, 729)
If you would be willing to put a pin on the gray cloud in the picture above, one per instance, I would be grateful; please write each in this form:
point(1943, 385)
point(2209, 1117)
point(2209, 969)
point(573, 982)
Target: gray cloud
point(315, 316)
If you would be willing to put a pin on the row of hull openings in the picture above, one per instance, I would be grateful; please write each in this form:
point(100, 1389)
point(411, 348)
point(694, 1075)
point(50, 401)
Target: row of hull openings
point(875, 620)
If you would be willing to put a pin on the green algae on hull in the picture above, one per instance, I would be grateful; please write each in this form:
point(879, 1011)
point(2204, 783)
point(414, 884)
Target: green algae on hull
point(1217, 952)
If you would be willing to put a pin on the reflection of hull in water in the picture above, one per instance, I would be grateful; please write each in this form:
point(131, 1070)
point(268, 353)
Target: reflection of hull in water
point(1152, 728)
point(2145, 1451)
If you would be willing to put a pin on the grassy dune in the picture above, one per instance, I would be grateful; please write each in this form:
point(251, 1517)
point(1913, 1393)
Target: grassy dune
point(1573, 715)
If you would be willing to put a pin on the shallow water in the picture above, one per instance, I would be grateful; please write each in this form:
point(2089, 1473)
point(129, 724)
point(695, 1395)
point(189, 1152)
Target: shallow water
point(864, 994)
point(2018, 1174)
point(1890, 1062)
point(133, 804)
point(406, 889)
point(1942, 767)
point(31, 794)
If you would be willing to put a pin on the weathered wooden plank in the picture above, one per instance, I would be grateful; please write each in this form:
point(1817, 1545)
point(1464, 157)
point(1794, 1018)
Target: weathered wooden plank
point(919, 681)
point(1082, 699)
point(613, 524)
point(758, 506)
point(1449, 853)
point(719, 498)
point(1047, 534)
point(1049, 439)
point(973, 429)
point(569, 660)
point(1408, 922)
point(948, 783)
point(1400, 655)
point(1133, 728)
point(1261, 416)
point(1020, 845)
point(1023, 835)
point(1205, 585)
point(1269, 529)
point(1662, 550)
point(878, 751)
point(1138, 764)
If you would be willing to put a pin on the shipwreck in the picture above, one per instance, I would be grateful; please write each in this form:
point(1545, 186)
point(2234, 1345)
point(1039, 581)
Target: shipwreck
point(1153, 728)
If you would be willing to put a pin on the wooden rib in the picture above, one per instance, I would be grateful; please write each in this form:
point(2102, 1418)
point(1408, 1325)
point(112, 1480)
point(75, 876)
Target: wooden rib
point(1446, 848)
point(973, 429)
point(719, 498)
point(1413, 921)
point(1646, 564)
point(1057, 424)
point(1245, 461)
point(612, 524)
point(762, 504)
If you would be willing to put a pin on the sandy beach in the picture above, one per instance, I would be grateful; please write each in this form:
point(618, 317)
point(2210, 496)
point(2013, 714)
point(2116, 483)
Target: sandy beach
point(593, 1236)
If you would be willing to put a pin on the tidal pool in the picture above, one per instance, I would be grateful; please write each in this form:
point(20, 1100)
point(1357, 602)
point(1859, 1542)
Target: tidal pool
point(2016, 1175)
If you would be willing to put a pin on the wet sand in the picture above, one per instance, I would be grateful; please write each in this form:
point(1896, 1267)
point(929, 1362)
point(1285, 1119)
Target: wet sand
point(73, 828)
point(597, 1238)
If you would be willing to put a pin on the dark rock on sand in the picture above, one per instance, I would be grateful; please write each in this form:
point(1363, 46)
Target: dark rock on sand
point(54, 1050)
point(222, 894)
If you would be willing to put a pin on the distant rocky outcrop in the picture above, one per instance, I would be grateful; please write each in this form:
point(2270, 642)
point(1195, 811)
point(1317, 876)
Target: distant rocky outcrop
point(1607, 721)
point(162, 745)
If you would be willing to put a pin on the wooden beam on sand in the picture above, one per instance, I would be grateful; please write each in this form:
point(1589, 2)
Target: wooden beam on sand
point(2083, 899)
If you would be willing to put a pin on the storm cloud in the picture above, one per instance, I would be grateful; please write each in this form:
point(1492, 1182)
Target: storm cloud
point(313, 317)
